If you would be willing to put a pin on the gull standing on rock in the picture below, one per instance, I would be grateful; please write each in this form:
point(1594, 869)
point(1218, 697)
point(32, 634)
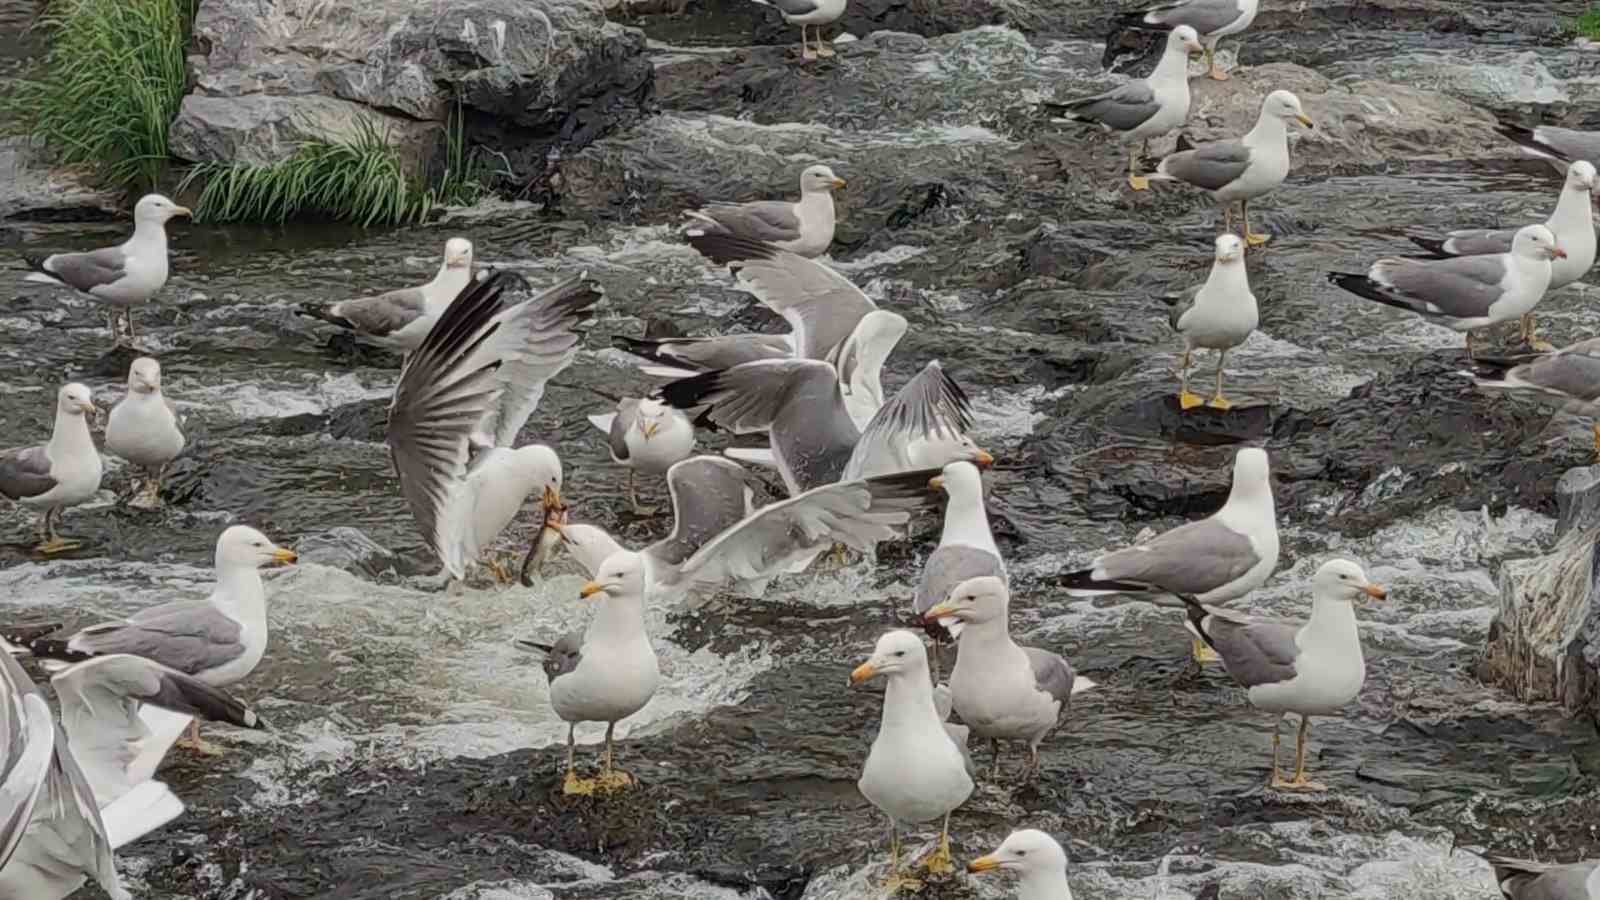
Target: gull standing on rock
point(1219, 316)
point(1212, 19)
point(809, 12)
point(1312, 669)
point(1244, 169)
point(1570, 375)
point(1525, 879)
point(401, 319)
point(804, 227)
point(915, 771)
point(1002, 691)
point(143, 427)
point(1572, 223)
point(53, 476)
point(645, 435)
point(123, 276)
point(218, 640)
point(608, 671)
point(1219, 558)
point(1037, 857)
point(966, 549)
point(1465, 292)
point(1143, 109)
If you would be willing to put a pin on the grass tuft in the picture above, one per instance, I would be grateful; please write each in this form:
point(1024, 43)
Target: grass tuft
point(1588, 24)
point(107, 90)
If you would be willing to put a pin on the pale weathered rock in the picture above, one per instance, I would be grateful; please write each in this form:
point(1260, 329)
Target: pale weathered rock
point(1496, 80)
point(263, 128)
point(31, 189)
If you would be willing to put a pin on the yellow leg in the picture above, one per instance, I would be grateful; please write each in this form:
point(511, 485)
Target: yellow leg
point(1202, 652)
point(822, 49)
point(572, 785)
point(895, 880)
point(1470, 355)
point(1135, 180)
point(193, 742)
point(1300, 782)
point(1227, 217)
point(52, 543)
point(611, 778)
point(1186, 399)
point(1211, 65)
point(938, 862)
point(1251, 237)
point(805, 49)
point(1218, 401)
point(1277, 777)
point(1529, 336)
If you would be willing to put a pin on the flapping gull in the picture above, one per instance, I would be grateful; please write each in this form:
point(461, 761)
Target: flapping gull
point(122, 276)
point(52, 838)
point(1037, 858)
point(1572, 223)
point(646, 436)
point(1219, 316)
point(1570, 376)
point(1560, 145)
point(608, 671)
point(682, 357)
point(800, 405)
point(1525, 879)
point(1219, 558)
point(1244, 169)
point(462, 398)
point(809, 12)
point(915, 771)
point(101, 704)
point(1212, 19)
point(1466, 292)
point(61, 473)
point(218, 640)
point(966, 548)
point(1145, 108)
point(1311, 669)
point(1003, 691)
point(804, 227)
point(401, 319)
point(144, 427)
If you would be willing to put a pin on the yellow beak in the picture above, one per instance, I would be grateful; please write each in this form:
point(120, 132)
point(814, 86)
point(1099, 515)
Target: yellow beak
point(984, 458)
point(983, 864)
point(591, 588)
point(1305, 120)
point(862, 673)
point(936, 482)
point(939, 611)
point(284, 554)
point(837, 183)
point(649, 429)
point(182, 211)
point(552, 500)
point(1376, 591)
point(89, 408)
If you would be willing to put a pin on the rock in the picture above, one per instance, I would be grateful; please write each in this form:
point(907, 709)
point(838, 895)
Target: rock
point(349, 549)
point(1496, 80)
point(1544, 644)
point(31, 189)
point(531, 76)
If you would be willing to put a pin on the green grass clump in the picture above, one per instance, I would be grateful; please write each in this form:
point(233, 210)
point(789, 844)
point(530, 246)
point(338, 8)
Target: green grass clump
point(1588, 24)
point(106, 91)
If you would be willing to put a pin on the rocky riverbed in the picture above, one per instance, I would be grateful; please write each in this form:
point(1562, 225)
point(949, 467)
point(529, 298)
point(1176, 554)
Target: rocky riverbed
point(414, 753)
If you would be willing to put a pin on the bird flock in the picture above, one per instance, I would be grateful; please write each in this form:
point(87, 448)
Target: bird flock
point(857, 466)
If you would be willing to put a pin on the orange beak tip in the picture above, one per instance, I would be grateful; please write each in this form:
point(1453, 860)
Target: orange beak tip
point(862, 673)
point(937, 483)
point(590, 589)
point(1377, 592)
point(984, 458)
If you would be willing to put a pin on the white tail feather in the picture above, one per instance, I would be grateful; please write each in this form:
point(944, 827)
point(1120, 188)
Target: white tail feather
point(42, 278)
point(1081, 684)
point(603, 422)
point(165, 727)
point(667, 372)
point(139, 812)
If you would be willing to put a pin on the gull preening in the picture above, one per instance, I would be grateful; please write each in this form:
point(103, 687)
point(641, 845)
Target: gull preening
point(1464, 292)
point(1219, 316)
point(1145, 108)
point(144, 428)
point(61, 473)
point(401, 319)
point(1310, 669)
point(645, 436)
point(1211, 19)
point(121, 277)
point(1243, 169)
point(1037, 858)
point(804, 227)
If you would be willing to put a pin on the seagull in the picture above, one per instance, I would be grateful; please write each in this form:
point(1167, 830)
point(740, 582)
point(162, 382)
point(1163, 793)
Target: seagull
point(1037, 857)
point(1244, 169)
point(61, 473)
point(1562, 145)
point(809, 12)
point(122, 276)
point(1145, 108)
point(52, 838)
point(915, 772)
point(1212, 19)
point(401, 319)
point(966, 548)
point(219, 640)
point(608, 671)
point(1572, 223)
point(645, 435)
point(1524, 879)
point(1219, 316)
point(804, 227)
point(1570, 375)
point(684, 356)
point(1002, 691)
point(1465, 292)
point(144, 427)
point(463, 398)
point(1311, 669)
point(1219, 558)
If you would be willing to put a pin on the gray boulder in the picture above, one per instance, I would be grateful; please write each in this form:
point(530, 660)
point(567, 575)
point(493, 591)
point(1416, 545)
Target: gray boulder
point(31, 189)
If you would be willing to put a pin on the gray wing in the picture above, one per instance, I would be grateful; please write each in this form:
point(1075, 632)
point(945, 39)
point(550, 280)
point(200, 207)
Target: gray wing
point(627, 414)
point(1182, 307)
point(191, 639)
point(1254, 651)
point(1525, 879)
point(1478, 242)
point(1460, 288)
point(383, 314)
point(778, 537)
point(709, 496)
point(947, 567)
point(1573, 373)
point(535, 341)
point(1204, 16)
point(1568, 143)
point(96, 684)
point(822, 306)
point(793, 7)
point(1122, 108)
point(1052, 674)
point(707, 353)
point(87, 271)
point(1190, 559)
point(1209, 166)
point(930, 406)
point(27, 743)
point(25, 472)
point(562, 656)
point(443, 393)
point(761, 220)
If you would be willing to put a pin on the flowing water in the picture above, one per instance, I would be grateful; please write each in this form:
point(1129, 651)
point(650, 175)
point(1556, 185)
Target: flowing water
point(413, 751)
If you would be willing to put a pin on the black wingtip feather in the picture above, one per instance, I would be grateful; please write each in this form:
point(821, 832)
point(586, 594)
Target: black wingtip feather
point(36, 262)
point(726, 249)
point(1365, 287)
point(1436, 248)
point(317, 311)
point(1517, 134)
point(691, 392)
point(1197, 617)
point(46, 648)
point(1084, 580)
point(23, 635)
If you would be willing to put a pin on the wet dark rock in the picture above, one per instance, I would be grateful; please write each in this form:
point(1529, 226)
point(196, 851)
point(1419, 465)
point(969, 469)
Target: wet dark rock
point(364, 420)
point(348, 549)
point(741, 22)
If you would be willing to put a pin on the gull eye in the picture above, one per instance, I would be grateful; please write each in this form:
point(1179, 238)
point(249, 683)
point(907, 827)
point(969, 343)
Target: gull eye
point(1022, 853)
point(899, 653)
